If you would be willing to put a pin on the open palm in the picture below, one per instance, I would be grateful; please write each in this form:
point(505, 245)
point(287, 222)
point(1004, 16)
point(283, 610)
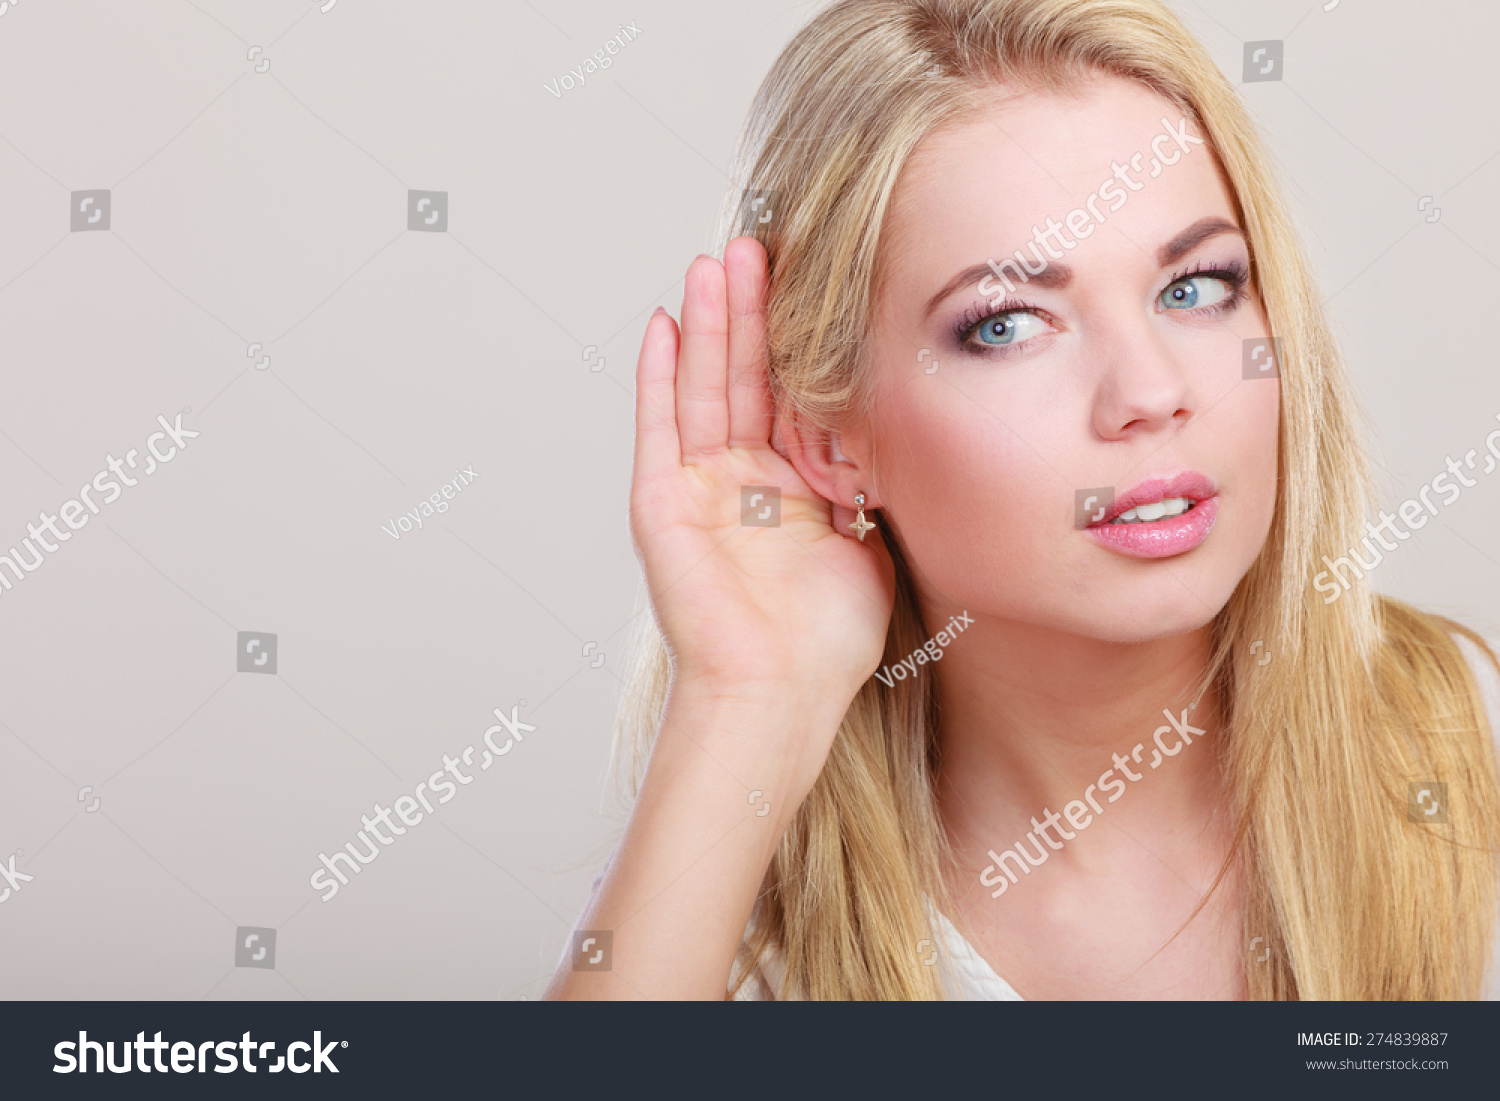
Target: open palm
point(801, 605)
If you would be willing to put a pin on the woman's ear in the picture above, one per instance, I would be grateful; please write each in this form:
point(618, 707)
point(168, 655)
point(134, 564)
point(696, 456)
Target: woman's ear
point(833, 468)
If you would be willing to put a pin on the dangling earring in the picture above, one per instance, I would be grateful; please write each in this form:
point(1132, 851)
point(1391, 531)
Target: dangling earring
point(860, 525)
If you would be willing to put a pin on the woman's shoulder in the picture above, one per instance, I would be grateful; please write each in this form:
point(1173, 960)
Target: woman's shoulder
point(965, 974)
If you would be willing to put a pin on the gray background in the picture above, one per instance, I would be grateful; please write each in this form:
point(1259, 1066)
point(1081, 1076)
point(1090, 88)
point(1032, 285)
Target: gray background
point(271, 207)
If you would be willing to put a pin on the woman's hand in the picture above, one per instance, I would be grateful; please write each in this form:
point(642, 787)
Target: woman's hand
point(772, 630)
point(802, 607)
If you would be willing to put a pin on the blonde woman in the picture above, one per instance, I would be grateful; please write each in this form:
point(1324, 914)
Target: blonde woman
point(1021, 294)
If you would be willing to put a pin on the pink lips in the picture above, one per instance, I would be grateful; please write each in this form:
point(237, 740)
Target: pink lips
point(1168, 536)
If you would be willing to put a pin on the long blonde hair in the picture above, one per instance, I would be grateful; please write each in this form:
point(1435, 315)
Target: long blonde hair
point(1363, 695)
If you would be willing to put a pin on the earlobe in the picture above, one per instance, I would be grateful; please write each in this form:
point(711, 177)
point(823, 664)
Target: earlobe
point(820, 461)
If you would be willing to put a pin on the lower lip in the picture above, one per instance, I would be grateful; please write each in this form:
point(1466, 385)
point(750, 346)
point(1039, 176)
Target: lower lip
point(1159, 538)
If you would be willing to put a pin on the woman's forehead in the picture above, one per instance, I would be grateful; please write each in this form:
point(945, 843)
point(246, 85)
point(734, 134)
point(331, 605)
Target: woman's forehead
point(983, 186)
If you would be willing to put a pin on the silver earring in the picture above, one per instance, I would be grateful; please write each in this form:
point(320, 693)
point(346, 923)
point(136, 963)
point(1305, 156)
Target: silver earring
point(860, 525)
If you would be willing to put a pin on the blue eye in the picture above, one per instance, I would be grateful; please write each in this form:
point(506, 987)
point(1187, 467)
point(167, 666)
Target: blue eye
point(1009, 328)
point(999, 330)
point(1194, 292)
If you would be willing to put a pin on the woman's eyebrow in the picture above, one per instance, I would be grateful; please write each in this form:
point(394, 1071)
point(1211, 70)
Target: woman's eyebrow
point(1195, 234)
point(1054, 276)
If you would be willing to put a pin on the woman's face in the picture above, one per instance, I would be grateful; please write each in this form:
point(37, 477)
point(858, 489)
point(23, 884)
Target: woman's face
point(1000, 413)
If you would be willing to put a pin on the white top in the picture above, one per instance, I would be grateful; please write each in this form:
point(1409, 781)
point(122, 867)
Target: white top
point(967, 977)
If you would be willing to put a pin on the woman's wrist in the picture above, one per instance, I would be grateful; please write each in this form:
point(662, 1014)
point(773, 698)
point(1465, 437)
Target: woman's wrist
point(789, 689)
point(772, 736)
point(771, 711)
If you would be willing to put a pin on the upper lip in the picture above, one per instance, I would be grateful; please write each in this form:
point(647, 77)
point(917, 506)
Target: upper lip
point(1190, 484)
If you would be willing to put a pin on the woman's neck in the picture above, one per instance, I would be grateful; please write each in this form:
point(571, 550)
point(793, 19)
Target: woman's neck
point(1036, 723)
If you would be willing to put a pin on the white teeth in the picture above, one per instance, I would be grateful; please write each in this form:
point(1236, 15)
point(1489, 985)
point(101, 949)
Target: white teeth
point(1141, 514)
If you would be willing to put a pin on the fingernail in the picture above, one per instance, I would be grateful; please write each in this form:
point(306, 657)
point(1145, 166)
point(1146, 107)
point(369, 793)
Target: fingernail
point(659, 309)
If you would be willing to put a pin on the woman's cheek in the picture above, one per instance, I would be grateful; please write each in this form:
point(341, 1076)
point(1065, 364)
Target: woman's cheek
point(1242, 440)
point(1262, 456)
point(969, 502)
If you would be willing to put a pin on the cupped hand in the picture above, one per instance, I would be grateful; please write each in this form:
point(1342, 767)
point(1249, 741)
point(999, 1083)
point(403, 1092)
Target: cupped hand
point(800, 607)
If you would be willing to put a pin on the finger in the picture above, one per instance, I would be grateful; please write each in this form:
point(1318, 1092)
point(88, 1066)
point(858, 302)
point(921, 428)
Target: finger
point(657, 446)
point(702, 365)
point(749, 388)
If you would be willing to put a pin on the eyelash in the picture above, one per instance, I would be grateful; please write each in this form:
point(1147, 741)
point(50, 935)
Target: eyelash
point(979, 313)
point(1231, 273)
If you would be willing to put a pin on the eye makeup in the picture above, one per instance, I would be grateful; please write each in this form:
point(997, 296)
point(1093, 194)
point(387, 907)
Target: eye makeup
point(1232, 273)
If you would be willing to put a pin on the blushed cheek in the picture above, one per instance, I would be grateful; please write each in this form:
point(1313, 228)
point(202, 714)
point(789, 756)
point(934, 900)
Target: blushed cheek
point(1247, 462)
point(1256, 438)
point(969, 498)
